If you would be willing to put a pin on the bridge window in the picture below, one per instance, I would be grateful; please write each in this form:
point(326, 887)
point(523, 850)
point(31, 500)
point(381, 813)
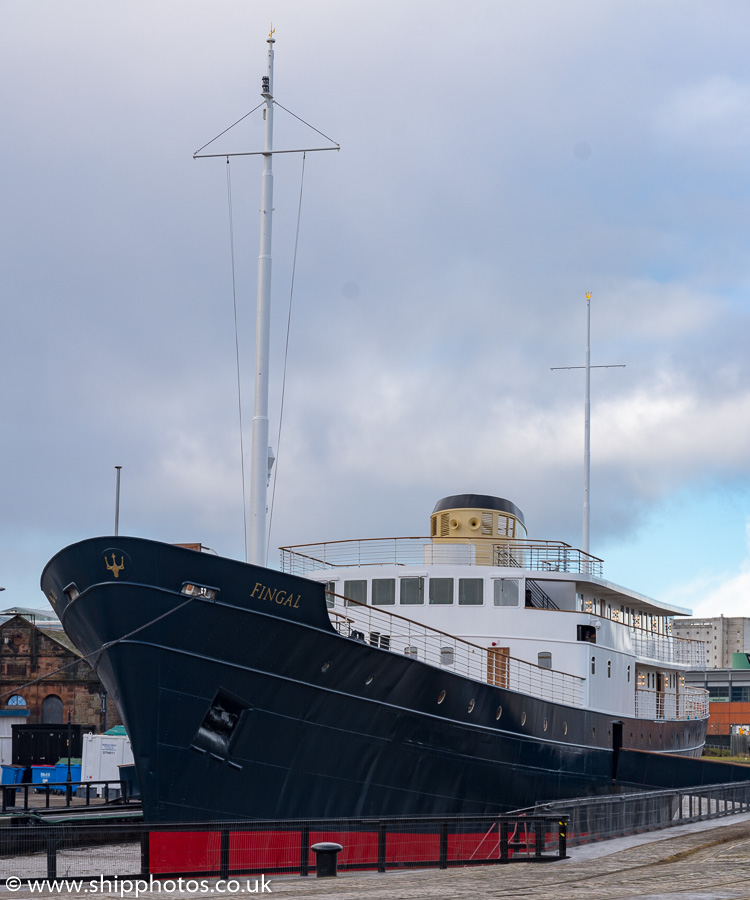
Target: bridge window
point(470, 591)
point(355, 590)
point(506, 592)
point(412, 591)
point(441, 591)
point(383, 591)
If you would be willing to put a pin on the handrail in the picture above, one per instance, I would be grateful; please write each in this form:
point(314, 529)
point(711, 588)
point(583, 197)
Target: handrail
point(390, 631)
point(688, 703)
point(536, 555)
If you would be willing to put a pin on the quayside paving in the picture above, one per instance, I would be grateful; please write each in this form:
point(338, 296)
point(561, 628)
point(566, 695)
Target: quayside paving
point(704, 861)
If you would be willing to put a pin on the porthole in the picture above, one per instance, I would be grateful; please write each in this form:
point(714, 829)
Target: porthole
point(471, 705)
point(544, 725)
point(498, 712)
point(565, 727)
point(370, 679)
point(441, 696)
point(523, 718)
point(325, 667)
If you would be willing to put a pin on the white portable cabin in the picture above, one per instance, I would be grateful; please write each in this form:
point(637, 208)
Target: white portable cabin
point(101, 757)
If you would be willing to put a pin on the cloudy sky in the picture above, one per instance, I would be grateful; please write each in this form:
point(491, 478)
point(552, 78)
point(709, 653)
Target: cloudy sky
point(498, 161)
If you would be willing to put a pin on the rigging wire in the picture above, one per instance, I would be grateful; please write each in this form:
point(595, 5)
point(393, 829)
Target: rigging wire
point(237, 351)
point(299, 119)
point(286, 352)
point(232, 126)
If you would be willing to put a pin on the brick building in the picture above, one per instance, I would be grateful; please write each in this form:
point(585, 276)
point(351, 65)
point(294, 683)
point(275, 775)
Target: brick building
point(28, 653)
point(728, 699)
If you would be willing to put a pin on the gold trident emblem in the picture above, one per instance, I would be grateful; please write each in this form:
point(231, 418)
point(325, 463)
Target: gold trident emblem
point(115, 569)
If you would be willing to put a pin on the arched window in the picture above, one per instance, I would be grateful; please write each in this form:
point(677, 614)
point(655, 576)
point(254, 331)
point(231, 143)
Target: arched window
point(16, 700)
point(52, 710)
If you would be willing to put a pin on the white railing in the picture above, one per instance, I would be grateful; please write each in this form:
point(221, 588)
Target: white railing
point(539, 556)
point(689, 703)
point(389, 631)
point(665, 648)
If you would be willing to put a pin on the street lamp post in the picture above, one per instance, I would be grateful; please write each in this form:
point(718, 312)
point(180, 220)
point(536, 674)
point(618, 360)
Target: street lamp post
point(68, 786)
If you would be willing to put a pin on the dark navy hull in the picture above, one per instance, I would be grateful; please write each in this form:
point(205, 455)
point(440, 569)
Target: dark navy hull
point(250, 704)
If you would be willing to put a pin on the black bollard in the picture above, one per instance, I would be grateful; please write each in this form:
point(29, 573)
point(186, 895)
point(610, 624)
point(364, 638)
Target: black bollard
point(326, 863)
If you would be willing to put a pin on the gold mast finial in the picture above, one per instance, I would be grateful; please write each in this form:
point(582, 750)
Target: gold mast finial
point(273, 31)
point(588, 296)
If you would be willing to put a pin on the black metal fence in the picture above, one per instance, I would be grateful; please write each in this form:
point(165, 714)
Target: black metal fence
point(230, 849)
point(601, 818)
point(30, 797)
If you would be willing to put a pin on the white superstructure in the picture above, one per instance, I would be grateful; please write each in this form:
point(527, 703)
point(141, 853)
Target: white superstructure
point(506, 604)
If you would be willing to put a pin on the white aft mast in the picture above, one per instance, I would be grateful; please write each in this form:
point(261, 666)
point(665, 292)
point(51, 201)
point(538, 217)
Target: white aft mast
point(261, 457)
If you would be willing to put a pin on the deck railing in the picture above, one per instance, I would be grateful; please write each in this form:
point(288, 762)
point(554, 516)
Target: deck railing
point(389, 631)
point(668, 649)
point(689, 703)
point(541, 556)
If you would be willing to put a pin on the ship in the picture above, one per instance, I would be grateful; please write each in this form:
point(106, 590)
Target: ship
point(471, 671)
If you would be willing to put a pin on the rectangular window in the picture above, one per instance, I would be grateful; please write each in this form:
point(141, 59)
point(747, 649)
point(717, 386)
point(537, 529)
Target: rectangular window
point(355, 590)
point(740, 694)
point(330, 591)
point(383, 591)
point(441, 591)
point(412, 591)
point(470, 591)
point(506, 592)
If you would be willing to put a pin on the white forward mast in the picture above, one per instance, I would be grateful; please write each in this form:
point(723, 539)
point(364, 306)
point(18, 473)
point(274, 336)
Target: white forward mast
point(260, 456)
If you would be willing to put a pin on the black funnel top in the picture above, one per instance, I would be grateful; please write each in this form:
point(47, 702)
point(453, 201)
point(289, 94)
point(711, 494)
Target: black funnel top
point(479, 501)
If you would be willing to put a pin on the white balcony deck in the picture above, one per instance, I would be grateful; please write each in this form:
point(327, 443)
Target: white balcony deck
point(689, 703)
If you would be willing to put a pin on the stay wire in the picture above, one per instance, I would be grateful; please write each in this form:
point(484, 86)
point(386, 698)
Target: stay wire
point(231, 127)
point(299, 119)
point(237, 351)
point(286, 355)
